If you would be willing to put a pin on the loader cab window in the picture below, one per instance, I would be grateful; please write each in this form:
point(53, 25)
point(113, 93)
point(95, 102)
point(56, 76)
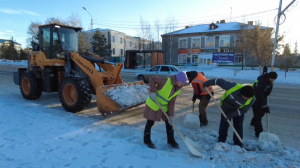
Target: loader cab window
point(68, 39)
point(46, 48)
point(57, 46)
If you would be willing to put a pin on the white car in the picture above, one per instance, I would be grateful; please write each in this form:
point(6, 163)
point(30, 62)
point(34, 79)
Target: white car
point(158, 70)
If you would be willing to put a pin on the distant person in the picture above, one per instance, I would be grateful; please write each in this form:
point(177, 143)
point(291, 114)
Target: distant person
point(134, 63)
point(236, 101)
point(265, 70)
point(197, 80)
point(165, 91)
point(262, 88)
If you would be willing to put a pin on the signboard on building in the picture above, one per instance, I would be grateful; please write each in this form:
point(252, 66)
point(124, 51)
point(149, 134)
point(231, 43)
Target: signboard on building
point(223, 57)
point(189, 51)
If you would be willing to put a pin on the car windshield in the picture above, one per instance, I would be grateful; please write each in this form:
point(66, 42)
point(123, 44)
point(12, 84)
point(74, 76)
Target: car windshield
point(68, 39)
point(175, 68)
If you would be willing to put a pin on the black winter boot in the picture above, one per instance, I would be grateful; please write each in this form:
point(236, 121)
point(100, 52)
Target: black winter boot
point(171, 139)
point(147, 140)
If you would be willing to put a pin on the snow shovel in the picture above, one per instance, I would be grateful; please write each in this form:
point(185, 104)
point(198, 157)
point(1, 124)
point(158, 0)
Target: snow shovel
point(236, 133)
point(194, 148)
point(192, 120)
point(269, 137)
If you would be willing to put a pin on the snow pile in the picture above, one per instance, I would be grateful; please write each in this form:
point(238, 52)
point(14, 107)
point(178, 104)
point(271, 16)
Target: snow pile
point(128, 95)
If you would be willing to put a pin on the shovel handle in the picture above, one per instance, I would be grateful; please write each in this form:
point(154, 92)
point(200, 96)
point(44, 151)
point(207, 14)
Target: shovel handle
point(236, 133)
point(193, 106)
point(169, 120)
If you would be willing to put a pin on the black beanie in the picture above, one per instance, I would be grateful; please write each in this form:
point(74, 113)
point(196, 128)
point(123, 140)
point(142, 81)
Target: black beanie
point(247, 91)
point(188, 74)
point(272, 75)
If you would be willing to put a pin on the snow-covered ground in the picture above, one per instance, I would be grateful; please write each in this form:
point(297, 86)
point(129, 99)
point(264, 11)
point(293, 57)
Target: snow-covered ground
point(33, 134)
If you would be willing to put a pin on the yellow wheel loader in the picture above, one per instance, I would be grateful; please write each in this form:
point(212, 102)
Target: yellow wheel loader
point(55, 66)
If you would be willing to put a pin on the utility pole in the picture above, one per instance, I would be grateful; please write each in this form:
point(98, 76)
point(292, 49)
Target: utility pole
point(91, 17)
point(277, 27)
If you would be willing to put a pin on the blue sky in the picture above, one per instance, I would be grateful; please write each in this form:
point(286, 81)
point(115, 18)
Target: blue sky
point(124, 16)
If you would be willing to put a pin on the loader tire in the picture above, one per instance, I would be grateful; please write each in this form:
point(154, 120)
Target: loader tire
point(31, 87)
point(75, 94)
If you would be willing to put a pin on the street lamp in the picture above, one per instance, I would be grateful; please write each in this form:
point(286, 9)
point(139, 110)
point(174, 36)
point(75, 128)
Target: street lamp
point(91, 17)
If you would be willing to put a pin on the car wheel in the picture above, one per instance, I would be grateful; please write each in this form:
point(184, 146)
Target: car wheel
point(141, 78)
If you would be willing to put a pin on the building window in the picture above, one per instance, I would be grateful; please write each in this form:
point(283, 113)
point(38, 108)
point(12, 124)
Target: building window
point(121, 51)
point(182, 43)
point(130, 44)
point(121, 40)
point(195, 59)
point(113, 38)
point(182, 59)
point(210, 42)
point(196, 43)
point(224, 41)
point(113, 51)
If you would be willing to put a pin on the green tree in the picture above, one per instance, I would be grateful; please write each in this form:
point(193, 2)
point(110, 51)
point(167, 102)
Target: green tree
point(23, 54)
point(99, 44)
point(11, 52)
point(83, 45)
point(3, 50)
point(296, 49)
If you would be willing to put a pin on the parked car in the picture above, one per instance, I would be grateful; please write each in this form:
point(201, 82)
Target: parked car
point(158, 70)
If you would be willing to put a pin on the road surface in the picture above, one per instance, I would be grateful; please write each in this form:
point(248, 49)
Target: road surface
point(284, 105)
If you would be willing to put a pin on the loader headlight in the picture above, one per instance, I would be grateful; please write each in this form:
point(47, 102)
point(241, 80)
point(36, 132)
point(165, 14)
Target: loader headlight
point(60, 55)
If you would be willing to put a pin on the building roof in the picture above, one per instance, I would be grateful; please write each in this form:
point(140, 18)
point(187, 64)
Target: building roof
point(204, 28)
point(94, 30)
point(5, 40)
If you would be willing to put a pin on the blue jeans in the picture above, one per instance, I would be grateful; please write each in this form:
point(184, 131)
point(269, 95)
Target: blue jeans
point(237, 124)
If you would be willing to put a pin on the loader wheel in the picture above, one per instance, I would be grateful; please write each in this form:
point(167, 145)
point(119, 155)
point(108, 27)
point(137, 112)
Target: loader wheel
point(75, 94)
point(31, 87)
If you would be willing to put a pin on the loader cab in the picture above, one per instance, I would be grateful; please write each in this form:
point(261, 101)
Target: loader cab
point(54, 39)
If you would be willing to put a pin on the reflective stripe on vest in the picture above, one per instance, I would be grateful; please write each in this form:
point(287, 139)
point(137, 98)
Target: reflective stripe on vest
point(162, 96)
point(233, 89)
point(256, 86)
point(200, 82)
point(253, 87)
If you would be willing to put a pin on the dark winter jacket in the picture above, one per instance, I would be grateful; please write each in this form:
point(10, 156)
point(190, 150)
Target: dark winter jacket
point(197, 90)
point(231, 104)
point(262, 90)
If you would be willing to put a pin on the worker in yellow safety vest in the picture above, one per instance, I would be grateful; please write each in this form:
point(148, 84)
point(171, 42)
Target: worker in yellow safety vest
point(236, 101)
point(164, 90)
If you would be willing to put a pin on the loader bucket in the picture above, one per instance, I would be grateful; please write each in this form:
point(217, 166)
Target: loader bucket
point(108, 104)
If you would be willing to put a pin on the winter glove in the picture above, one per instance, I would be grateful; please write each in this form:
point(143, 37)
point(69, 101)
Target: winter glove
point(266, 110)
point(152, 96)
point(170, 122)
point(194, 98)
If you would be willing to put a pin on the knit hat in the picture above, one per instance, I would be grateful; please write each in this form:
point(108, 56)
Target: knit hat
point(188, 74)
point(272, 75)
point(181, 77)
point(247, 91)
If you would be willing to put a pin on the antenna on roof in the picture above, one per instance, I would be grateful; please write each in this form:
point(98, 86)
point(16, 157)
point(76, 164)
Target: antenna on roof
point(230, 13)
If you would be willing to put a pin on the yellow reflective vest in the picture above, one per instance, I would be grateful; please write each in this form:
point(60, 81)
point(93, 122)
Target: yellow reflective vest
point(163, 97)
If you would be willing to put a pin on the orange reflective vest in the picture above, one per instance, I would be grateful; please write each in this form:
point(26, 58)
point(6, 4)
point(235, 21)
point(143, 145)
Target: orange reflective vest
point(200, 79)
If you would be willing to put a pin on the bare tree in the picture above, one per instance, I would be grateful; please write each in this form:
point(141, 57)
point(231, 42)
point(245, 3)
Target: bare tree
point(287, 59)
point(257, 42)
point(170, 27)
point(74, 20)
point(32, 31)
point(157, 29)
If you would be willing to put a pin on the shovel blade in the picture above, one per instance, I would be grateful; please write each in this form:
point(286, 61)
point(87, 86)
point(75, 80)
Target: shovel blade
point(194, 148)
point(191, 121)
point(269, 137)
